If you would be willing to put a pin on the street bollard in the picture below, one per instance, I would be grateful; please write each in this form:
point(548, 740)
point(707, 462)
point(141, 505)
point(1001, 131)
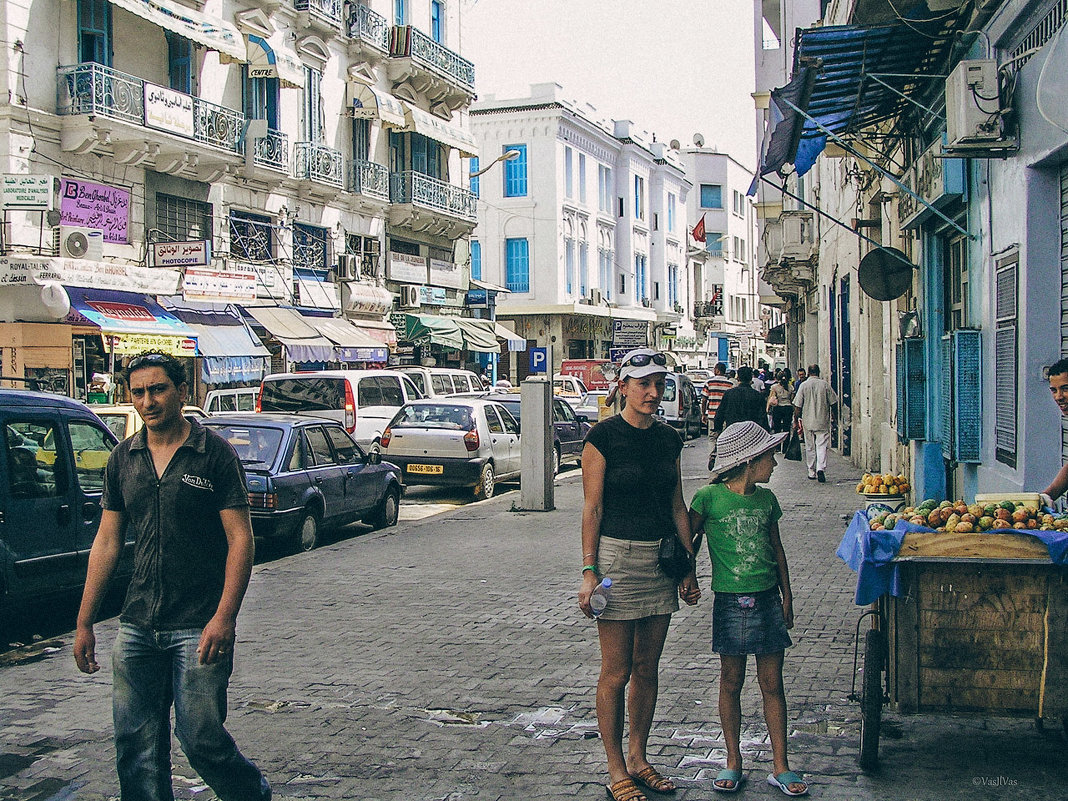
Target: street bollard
point(536, 487)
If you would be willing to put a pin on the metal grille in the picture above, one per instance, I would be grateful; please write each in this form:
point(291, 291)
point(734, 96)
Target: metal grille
point(967, 380)
point(1005, 362)
point(1064, 291)
point(915, 390)
point(946, 416)
point(899, 394)
point(310, 248)
point(180, 219)
point(251, 237)
point(1041, 33)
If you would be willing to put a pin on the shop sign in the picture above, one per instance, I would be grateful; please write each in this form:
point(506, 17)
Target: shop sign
point(669, 333)
point(359, 298)
point(477, 298)
point(717, 300)
point(431, 296)
point(131, 344)
point(230, 285)
point(935, 179)
point(445, 273)
point(406, 268)
point(181, 254)
point(18, 269)
point(630, 333)
point(167, 110)
point(104, 208)
point(29, 192)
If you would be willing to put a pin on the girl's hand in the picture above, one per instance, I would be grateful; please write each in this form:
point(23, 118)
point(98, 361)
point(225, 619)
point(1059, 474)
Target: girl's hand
point(589, 584)
point(788, 611)
point(689, 590)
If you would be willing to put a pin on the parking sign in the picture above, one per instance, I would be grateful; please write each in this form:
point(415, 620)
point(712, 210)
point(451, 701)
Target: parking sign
point(539, 359)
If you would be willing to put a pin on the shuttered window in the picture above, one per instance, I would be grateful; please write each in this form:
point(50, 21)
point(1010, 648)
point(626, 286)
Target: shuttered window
point(1064, 293)
point(968, 408)
point(911, 391)
point(1006, 363)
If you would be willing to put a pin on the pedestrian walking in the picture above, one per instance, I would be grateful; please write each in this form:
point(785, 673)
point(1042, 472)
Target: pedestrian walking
point(814, 406)
point(742, 402)
point(781, 404)
point(182, 491)
point(632, 485)
point(712, 395)
point(753, 606)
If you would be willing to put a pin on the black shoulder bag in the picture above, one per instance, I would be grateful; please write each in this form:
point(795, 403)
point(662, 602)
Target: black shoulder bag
point(673, 559)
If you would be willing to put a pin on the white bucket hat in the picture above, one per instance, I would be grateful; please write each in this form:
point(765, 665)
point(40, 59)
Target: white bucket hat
point(740, 443)
point(646, 367)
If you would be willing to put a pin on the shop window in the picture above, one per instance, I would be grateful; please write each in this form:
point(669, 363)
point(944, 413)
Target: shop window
point(180, 219)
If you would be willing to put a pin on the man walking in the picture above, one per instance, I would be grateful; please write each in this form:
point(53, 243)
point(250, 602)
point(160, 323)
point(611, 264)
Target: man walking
point(738, 404)
point(814, 404)
point(712, 394)
point(182, 490)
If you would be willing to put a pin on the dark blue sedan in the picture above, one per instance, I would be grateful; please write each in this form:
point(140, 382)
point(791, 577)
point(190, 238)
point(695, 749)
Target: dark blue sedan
point(306, 475)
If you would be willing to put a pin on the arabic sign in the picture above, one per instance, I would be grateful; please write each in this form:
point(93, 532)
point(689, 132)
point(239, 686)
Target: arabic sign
point(31, 192)
point(181, 254)
point(405, 268)
point(232, 285)
point(477, 299)
point(444, 273)
point(104, 208)
point(167, 110)
point(630, 333)
point(17, 269)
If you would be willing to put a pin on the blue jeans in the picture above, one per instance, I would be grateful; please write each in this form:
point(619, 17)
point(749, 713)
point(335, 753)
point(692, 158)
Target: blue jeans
point(152, 670)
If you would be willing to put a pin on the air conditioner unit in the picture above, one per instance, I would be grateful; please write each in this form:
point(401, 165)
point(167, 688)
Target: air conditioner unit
point(973, 104)
point(409, 297)
point(348, 267)
point(595, 297)
point(81, 243)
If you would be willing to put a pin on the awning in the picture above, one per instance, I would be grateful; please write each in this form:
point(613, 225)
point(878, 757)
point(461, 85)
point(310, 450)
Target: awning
point(211, 32)
point(379, 330)
point(428, 329)
point(230, 354)
point(479, 335)
point(371, 103)
point(515, 342)
point(353, 345)
point(131, 322)
point(267, 60)
point(440, 131)
point(302, 342)
point(475, 282)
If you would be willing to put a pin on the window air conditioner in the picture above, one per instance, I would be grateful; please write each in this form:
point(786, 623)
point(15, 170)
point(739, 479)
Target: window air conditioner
point(348, 267)
point(973, 104)
point(81, 243)
point(409, 297)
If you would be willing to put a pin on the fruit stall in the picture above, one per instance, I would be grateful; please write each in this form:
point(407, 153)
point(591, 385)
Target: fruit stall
point(968, 606)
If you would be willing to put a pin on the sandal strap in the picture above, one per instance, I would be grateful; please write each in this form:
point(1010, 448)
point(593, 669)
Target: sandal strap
point(654, 778)
point(626, 790)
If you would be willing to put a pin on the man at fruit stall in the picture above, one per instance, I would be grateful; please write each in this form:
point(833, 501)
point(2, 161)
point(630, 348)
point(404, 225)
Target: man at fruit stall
point(1058, 387)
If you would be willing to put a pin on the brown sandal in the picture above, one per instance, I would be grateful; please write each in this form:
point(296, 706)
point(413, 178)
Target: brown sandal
point(625, 790)
point(654, 780)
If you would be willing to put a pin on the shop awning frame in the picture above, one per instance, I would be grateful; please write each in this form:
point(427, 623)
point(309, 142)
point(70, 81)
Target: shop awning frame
point(352, 344)
point(439, 130)
point(133, 321)
point(370, 103)
point(480, 336)
point(302, 342)
point(430, 329)
point(211, 32)
point(266, 60)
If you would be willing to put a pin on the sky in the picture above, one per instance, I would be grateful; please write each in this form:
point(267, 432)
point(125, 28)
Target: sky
point(673, 67)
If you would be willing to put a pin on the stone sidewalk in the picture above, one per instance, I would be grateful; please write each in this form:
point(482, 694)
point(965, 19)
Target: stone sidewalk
point(446, 659)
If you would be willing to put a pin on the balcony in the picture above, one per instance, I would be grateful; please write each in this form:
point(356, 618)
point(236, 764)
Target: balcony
point(322, 15)
point(369, 179)
point(142, 123)
point(368, 32)
point(272, 151)
point(427, 205)
point(320, 166)
point(420, 66)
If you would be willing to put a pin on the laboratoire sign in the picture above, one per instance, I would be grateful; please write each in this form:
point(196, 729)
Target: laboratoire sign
point(27, 192)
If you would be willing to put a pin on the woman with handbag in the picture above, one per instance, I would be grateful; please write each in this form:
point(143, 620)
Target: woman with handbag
point(632, 482)
point(781, 405)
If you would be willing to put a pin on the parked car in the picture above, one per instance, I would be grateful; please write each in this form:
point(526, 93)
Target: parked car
point(458, 442)
point(437, 382)
point(124, 421)
point(51, 480)
point(569, 386)
point(590, 405)
point(225, 401)
point(569, 432)
point(363, 401)
point(306, 475)
point(681, 405)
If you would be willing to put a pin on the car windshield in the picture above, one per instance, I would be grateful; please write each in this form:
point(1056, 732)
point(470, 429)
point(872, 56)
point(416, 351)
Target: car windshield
point(669, 390)
point(435, 415)
point(252, 443)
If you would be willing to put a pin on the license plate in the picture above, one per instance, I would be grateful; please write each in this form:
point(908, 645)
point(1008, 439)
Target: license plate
point(425, 468)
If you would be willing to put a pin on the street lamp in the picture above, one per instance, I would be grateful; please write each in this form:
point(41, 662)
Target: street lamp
point(507, 155)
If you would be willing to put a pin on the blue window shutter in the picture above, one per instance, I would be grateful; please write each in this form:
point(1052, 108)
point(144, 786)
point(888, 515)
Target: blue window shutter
point(474, 179)
point(946, 416)
point(476, 260)
point(515, 172)
point(899, 394)
point(915, 390)
point(968, 396)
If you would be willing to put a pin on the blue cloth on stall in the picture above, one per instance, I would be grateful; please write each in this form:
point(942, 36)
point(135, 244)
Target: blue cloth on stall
point(870, 554)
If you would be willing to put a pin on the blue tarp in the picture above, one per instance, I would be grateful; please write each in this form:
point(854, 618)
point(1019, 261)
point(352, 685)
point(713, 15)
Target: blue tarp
point(870, 554)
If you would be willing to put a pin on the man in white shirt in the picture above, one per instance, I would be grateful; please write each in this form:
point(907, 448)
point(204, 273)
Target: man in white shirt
point(814, 404)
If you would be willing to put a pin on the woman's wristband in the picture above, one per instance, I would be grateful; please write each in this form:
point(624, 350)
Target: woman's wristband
point(590, 567)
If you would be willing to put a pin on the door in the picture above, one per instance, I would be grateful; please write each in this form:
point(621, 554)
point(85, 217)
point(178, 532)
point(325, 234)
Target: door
point(568, 430)
point(91, 446)
point(328, 477)
point(504, 445)
point(359, 480)
point(38, 520)
point(378, 398)
point(511, 432)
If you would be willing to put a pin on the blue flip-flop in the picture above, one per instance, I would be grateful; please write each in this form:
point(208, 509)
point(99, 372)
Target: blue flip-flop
point(728, 775)
point(785, 779)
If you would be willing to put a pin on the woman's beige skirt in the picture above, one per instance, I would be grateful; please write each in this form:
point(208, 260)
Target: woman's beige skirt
point(639, 587)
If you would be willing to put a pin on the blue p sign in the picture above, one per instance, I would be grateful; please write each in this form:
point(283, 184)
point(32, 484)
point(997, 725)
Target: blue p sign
point(539, 358)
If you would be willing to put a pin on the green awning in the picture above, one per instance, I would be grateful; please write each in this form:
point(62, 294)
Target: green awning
point(421, 329)
point(479, 335)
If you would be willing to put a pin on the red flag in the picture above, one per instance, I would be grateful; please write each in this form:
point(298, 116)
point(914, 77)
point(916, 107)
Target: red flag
point(699, 230)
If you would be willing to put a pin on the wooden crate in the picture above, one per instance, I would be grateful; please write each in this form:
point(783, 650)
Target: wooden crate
point(979, 636)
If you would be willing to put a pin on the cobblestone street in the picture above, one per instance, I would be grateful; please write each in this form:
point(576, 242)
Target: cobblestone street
point(446, 659)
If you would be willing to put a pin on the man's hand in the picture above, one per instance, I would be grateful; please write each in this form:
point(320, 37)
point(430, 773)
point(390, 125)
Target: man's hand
point(217, 640)
point(85, 650)
point(689, 591)
point(1047, 501)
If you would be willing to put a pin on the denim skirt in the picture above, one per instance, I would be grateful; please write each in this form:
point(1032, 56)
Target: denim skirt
point(639, 587)
point(749, 623)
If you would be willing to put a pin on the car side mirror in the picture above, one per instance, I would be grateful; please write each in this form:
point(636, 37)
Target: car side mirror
point(374, 457)
point(582, 418)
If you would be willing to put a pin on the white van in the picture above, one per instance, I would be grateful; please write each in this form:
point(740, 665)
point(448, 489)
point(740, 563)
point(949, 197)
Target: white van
point(364, 401)
point(681, 406)
point(230, 401)
point(436, 382)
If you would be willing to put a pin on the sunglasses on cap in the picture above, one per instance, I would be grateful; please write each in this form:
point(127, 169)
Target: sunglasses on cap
point(146, 359)
point(642, 359)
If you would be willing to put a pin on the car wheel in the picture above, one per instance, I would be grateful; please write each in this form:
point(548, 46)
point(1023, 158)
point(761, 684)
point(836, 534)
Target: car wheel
point(556, 461)
point(309, 531)
point(388, 510)
point(486, 482)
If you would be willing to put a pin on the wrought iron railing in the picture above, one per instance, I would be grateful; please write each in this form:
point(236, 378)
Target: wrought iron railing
point(422, 190)
point(319, 163)
point(272, 151)
point(369, 178)
point(369, 26)
point(409, 41)
point(95, 89)
point(329, 10)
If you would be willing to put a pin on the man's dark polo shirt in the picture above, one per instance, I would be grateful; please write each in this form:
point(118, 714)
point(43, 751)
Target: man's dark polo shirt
point(181, 548)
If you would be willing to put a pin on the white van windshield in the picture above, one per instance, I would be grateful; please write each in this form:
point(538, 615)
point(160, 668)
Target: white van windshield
point(303, 394)
point(669, 390)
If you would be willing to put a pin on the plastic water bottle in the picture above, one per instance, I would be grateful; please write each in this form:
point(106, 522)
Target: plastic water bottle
point(599, 597)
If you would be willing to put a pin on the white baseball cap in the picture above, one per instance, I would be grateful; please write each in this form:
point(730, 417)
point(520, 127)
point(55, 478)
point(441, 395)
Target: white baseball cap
point(641, 362)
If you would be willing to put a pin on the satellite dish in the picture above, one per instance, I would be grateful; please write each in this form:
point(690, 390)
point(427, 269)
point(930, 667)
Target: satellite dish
point(674, 144)
point(885, 274)
point(698, 140)
point(1052, 83)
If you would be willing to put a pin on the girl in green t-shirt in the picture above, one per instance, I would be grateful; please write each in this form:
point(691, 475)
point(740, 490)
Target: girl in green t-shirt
point(753, 606)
